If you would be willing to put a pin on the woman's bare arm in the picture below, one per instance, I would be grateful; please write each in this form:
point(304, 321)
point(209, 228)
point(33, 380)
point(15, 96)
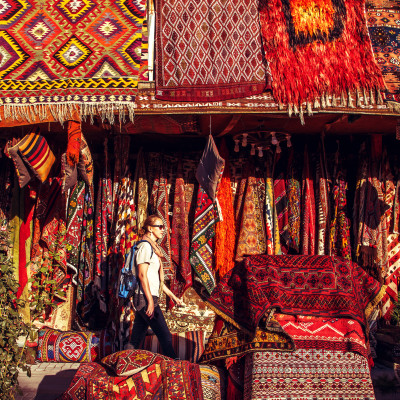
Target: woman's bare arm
point(144, 283)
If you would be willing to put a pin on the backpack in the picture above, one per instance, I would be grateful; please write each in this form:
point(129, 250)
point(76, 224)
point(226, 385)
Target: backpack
point(128, 281)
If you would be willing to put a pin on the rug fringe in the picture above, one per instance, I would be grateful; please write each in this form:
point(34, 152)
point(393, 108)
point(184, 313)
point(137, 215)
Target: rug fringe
point(374, 302)
point(394, 107)
point(113, 112)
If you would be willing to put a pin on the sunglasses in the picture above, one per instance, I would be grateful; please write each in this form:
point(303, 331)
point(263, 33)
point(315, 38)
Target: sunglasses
point(159, 226)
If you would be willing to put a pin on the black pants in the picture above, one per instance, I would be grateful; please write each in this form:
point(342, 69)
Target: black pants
point(159, 327)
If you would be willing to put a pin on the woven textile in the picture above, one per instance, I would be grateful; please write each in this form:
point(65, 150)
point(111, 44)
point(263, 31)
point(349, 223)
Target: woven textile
point(74, 347)
point(226, 341)
point(308, 208)
point(339, 334)
point(251, 238)
point(307, 285)
point(208, 50)
point(281, 206)
point(160, 379)
point(65, 53)
point(180, 242)
point(307, 374)
point(188, 346)
point(141, 192)
point(225, 234)
point(159, 206)
point(201, 251)
point(314, 51)
point(384, 31)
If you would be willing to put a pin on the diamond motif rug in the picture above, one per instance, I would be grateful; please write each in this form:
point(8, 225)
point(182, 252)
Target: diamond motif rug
point(69, 54)
point(208, 50)
point(317, 48)
point(384, 31)
point(322, 286)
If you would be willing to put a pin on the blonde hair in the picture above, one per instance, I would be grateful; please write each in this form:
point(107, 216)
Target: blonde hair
point(149, 221)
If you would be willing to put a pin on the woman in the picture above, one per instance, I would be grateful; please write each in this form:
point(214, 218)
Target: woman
point(151, 277)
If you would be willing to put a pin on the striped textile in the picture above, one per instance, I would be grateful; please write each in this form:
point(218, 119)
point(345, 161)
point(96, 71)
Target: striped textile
point(281, 206)
point(36, 152)
point(188, 346)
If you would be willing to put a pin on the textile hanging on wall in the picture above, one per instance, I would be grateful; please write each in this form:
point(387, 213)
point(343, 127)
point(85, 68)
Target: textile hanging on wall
point(293, 190)
point(281, 206)
point(225, 234)
point(49, 230)
point(271, 218)
point(251, 237)
point(159, 206)
point(141, 191)
point(201, 249)
point(103, 221)
point(308, 220)
point(323, 183)
point(339, 235)
point(316, 52)
point(208, 50)
point(384, 32)
point(308, 285)
point(66, 55)
point(180, 241)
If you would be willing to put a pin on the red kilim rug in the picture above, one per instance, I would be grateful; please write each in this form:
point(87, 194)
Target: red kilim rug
point(308, 285)
point(208, 50)
point(317, 48)
point(66, 53)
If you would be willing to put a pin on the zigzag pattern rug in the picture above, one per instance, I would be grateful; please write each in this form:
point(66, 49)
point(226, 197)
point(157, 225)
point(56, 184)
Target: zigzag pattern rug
point(67, 53)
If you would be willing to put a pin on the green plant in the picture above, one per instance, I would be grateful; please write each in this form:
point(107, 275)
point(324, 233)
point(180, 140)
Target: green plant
point(11, 323)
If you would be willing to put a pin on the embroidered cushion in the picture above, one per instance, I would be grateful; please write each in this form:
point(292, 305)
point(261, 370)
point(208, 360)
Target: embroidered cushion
point(210, 169)
point(37, 154)
point(213, 382)
point(74, 347)
point(85, 165)
point(23, 174)
point(69, 174)
point(129, 362)
point(188, 346)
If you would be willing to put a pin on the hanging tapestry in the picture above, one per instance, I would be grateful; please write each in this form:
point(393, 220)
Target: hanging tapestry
point(225, 234)
point(307, 374)
point(316, 50)
point(308, 209)
point(103, 220)
point(308, 285)
point(180, 241)
point(159, 206)
point(271, 218)
point(227, 341)
point(310, 332)
point(141, 191)
point(339, 235)
point(251, 238)
point(208, 50)
point(293, 190)
point(281, 206)
point(65, 55)
point(201, 249)
point(384, 31)
point(322, 198)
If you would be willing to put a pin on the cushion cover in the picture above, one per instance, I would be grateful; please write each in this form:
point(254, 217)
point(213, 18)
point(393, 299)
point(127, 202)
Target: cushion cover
point(24, 176)
point(129, 362)
point(58, 346)
point(37, 154)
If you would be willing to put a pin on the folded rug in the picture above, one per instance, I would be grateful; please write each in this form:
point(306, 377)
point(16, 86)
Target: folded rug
point(308, 285)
